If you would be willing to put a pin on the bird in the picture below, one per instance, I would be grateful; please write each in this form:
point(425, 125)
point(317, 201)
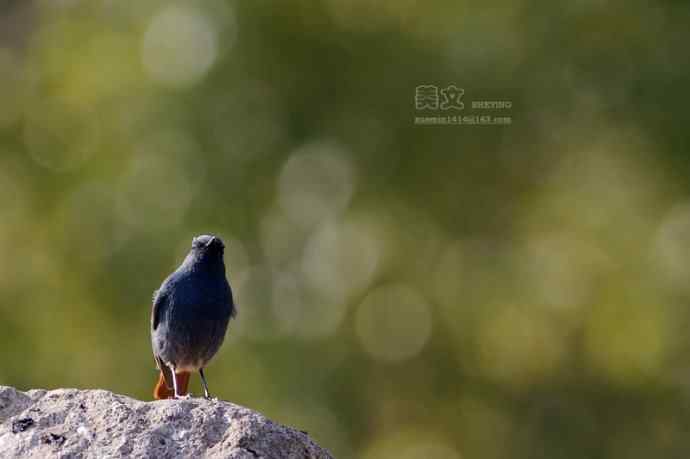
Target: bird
point(189, 317)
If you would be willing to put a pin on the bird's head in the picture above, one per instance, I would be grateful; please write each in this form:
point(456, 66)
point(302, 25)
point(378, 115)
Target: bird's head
point(208, 247)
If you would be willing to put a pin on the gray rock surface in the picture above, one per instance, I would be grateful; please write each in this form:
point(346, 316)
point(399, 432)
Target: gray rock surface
point(71, 423)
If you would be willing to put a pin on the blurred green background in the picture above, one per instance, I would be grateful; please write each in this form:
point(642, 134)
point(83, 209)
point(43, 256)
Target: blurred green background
point(404, 291)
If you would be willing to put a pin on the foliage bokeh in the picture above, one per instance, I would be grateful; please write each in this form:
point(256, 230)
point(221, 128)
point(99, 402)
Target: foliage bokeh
point(404, 291)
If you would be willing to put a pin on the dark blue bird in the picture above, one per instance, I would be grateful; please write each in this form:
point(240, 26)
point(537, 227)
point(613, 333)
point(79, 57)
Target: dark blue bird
point(190, 315)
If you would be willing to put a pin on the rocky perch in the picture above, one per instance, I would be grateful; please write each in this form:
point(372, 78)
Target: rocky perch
point(71, 423)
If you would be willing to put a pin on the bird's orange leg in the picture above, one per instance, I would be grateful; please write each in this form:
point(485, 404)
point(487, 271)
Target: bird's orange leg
point(162, 391)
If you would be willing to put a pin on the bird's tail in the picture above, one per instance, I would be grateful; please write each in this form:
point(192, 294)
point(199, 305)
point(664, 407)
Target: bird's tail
point(163, 391)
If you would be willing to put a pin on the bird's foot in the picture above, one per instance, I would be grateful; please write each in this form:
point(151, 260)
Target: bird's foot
point(183, 397)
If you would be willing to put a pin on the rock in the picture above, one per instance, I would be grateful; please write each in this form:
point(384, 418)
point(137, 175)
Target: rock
point(71, 423)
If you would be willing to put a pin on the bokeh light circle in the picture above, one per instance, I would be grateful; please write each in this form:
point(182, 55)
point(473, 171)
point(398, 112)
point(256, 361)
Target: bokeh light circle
point(180, 46)
point(316, 183)
point(281, 241)
point(413, 442)
point(393, 323)
point(518, 346)
point(302, 312)
point(341, 260)
point(671, 248)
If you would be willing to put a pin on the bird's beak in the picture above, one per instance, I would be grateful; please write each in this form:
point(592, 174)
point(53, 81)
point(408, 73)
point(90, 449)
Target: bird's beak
point(210, 241)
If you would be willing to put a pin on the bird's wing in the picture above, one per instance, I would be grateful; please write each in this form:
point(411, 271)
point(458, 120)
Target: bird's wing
point(160, 300)
point(233, 306)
